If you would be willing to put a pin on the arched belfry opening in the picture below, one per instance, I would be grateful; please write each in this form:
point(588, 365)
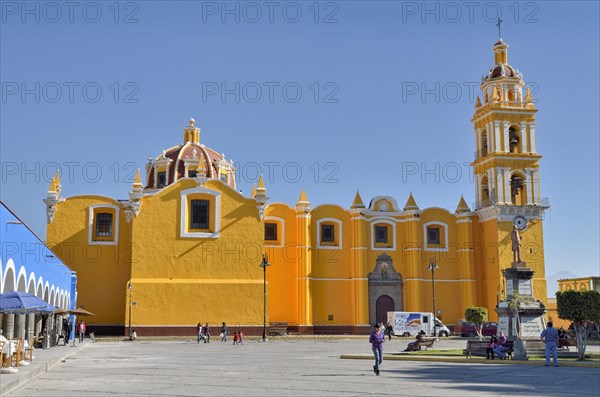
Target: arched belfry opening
point(518, 189)
point(515, 140)
point(485, 192)
point(484, 143)
point(385, 289)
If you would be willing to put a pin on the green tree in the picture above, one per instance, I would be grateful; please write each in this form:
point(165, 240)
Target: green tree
point(583, 309)
point(478, 316)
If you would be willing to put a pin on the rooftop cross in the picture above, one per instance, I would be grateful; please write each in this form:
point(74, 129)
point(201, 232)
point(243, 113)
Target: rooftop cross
point(499, 23)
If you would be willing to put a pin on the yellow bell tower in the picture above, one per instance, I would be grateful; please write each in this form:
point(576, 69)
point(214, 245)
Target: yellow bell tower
point(507, 181)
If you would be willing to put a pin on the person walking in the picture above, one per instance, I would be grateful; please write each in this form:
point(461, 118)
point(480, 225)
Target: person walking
point(389, 330)
point(550, 338)
point(206, 333)
point(224, 332)
point(82, 328)
point(241, 334)
point(236, 338)
point(377, 339)
point(199, 332)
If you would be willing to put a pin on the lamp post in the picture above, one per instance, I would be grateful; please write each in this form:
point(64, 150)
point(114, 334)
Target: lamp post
point(130, 306)
point(264, 263)
point(433, 267)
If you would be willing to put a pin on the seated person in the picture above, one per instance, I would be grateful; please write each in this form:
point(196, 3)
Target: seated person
point(489, 352)
point(501, 347)
point(133, 335)
point(562, 334)
point(416, 345)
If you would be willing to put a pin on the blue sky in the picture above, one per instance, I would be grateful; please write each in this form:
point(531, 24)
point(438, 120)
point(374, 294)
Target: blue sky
point(319, 96)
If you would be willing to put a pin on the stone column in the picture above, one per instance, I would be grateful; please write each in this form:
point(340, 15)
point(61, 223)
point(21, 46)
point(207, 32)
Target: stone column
point(20, 326)
point(37, 324)
point(8, 326)
point(29, 326)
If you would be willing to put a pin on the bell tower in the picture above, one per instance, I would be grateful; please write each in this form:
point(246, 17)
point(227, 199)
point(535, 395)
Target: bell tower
point(506, 161)
point(506, 174)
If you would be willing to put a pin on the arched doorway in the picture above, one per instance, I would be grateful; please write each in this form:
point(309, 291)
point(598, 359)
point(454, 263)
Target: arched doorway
point(385, 290)
point(384, 305)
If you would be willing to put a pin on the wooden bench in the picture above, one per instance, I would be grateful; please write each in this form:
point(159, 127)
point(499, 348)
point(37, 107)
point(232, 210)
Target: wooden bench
point(279, 328)
point(479, 348)
point(566, 342)
point(427, 343)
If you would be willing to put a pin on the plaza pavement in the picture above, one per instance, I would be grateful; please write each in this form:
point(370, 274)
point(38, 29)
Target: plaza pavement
point(307, 367)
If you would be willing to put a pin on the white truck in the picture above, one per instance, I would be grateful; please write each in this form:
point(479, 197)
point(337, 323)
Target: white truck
point(411, 323)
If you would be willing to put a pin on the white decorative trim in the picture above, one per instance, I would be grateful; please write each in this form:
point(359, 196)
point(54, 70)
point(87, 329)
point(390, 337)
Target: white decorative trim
point(282, 223)
point(91, 209)
point(336, 221)
point(184, 208)
point(359, 248)
point(386, 222)
point(466, 220)
point(376, 199)
point(525, 137)
point(437, 223)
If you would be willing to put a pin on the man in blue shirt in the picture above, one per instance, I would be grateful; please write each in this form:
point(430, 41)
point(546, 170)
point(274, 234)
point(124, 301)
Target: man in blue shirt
point(550, 338)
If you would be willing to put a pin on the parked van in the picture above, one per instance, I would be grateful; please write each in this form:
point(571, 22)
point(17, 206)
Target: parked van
point(465, 328)
point(411, 323)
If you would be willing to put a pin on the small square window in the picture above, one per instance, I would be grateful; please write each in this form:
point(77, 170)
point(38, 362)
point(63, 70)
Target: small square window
point(104, 222)
point(433, 235)
point(381, 234)
point(162, 179)
point(271, 231)
point(199, 214)
point(224, 178)
point(192, 173)
point(330, 317)
point(327, 234)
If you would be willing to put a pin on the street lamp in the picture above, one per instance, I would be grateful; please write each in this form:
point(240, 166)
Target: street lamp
point(433, 267)
point(130, 306)
point(264, 263)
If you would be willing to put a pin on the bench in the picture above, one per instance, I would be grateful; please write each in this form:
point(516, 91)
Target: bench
point(279, 328)
point(564, 342)
point(427, 343)
point(479, 347)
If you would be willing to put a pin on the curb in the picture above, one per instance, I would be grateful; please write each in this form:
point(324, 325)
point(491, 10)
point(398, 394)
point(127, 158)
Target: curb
point(468, 361)
point(23, 378)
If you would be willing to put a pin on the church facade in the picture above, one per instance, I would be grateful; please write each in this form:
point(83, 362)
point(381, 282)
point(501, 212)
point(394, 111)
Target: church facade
point(186, 246)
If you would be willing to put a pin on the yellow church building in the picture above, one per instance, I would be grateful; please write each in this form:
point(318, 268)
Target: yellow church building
point(186, 245)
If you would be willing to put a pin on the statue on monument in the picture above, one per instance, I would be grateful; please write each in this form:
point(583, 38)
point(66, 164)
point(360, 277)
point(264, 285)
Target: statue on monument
point(516, 244)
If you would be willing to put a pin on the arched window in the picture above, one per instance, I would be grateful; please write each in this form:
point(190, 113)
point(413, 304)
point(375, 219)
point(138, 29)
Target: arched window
point(515, 141)
point(511, 95)
point(484, 143)
point(485, 192)
point(518, 191)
